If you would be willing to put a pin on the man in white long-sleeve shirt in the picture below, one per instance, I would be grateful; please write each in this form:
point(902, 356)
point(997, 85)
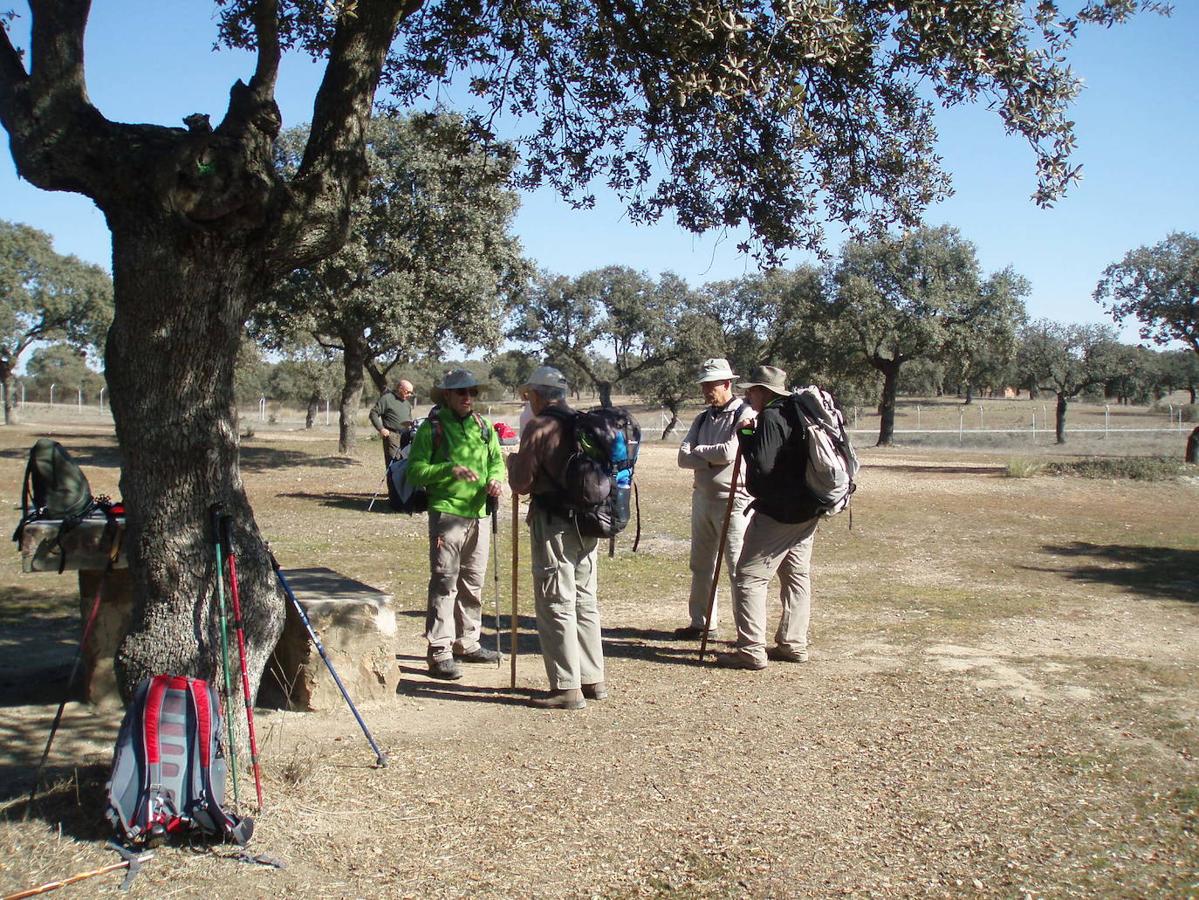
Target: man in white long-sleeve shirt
point(709, 450)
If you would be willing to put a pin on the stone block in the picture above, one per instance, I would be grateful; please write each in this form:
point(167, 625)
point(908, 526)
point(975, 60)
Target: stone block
point(112, 624)
point(355, 622)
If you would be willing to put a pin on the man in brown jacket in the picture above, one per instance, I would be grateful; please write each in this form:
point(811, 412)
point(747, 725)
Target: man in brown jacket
point(564, 562)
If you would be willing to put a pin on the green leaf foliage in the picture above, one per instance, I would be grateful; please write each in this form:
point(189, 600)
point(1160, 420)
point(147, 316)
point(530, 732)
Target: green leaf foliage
point(1158, 286)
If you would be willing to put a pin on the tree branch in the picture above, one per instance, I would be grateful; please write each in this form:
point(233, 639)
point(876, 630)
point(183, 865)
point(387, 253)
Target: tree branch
point(317, 213)
point(46, 112)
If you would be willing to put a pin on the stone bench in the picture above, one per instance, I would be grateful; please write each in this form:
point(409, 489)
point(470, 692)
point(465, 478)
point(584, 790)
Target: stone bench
point(355, 622)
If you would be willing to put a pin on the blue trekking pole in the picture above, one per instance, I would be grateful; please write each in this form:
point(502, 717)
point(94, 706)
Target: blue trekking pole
point(214, 513)
point(380, 756)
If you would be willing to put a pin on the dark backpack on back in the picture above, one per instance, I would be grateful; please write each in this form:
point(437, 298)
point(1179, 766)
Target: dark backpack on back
point(597, 480)
point(168, 768)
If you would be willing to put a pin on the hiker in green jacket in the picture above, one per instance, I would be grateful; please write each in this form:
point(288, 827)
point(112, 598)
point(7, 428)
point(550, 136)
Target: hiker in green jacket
point(456, 458)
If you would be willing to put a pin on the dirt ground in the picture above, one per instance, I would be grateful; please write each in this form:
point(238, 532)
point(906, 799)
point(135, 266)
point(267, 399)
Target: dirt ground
point(1001, 701)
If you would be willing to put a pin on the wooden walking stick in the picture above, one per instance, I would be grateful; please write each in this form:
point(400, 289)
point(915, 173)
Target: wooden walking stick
point(724, 534)
point(515, 579)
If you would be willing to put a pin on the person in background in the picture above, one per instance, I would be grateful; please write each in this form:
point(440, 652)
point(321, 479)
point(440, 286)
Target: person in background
point(391, 417)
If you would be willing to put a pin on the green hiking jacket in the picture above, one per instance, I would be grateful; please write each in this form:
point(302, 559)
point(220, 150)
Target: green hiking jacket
point(461, 443)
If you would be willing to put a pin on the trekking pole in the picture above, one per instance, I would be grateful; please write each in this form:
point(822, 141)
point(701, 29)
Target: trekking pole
point(129, 860)
point(87, 632)
point(493, 506)
point(214, 515)
point(383, 480)
point(724, 534)
point(239, 626)
point(515, 579)
point(380, 756)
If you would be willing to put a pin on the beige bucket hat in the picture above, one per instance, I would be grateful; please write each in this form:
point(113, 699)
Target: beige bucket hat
point(715, 369)
point(546, 377)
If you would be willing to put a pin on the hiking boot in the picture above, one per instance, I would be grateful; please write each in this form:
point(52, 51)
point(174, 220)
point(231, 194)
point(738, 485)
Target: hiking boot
point(560, 699)
point(785, 654)
point(693, 633)
point(479, 655)
point(596, 691)
point(445, 669)
point(739, 660)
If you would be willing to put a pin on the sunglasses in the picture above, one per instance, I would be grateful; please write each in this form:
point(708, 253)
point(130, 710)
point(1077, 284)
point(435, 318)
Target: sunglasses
point(465, 392)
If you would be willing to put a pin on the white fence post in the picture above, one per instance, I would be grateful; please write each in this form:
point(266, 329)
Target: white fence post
point(961, 424)
point(326, 410)
point(1034, 426)
point(52, 387)
point(100, 403)
point(917, 415)
point(1107, 414)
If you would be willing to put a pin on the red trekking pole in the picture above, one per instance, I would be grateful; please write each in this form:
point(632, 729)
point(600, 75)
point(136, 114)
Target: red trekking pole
point(239, 626)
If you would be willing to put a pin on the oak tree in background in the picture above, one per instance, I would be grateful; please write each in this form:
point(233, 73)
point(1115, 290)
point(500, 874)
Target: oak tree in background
point(45, 296)
point(65, 368)
point(308, 374)
point(1067, 360)
point(727, 113)
point(615, 312)
point(1158, 286)
point(428, 262)
point(695, 337)
point(919, 296)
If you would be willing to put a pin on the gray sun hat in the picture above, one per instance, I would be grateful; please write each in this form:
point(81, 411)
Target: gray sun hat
point(458, 378)
point(715, 369)
point(770, 377)
point(546, 377)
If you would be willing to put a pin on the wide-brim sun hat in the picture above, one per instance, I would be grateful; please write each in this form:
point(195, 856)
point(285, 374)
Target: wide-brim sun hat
point(456, 380)
point(770, 377)
point(715, 369)
point(546, 377)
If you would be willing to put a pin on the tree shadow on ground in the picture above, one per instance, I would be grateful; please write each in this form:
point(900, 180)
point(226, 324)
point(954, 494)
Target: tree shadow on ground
point(352, 502)
point(39, 636)
point(258, 459)
point(97, 456)
point(70, 797)
point(990, 471)
point(1161, 572)
point(619, 643)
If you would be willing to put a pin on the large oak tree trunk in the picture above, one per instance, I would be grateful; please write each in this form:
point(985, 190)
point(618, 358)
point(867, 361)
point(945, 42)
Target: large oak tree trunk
point(169, 362)
point(6, 378)
point(1061, 418)
point(886, 406)
point(353, 358)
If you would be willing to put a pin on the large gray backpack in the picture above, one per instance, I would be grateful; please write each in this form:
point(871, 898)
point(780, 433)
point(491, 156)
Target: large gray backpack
point(168, 768)
point(832, 464)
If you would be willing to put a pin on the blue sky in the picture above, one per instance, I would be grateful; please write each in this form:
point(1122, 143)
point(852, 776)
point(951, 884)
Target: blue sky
point(1137, 123)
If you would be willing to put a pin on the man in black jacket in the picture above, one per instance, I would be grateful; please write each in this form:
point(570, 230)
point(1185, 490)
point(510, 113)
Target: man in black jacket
point(780, 535)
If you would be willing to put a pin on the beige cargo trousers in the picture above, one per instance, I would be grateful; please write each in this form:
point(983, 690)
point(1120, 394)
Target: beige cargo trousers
point(458, 550)
point(772, 546)
point(564, 591)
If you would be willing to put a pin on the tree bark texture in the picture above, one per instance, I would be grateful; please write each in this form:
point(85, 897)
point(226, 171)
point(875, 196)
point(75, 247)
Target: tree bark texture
point(310, 414)
point(353, 358)
point(170, 369)
point(1192, 451)
point(886, 406)
point(1060, 418)
point(6, 378)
